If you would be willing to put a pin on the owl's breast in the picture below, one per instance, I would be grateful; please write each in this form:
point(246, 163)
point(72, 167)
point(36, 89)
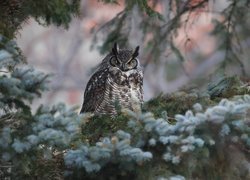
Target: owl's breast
point(126, 89)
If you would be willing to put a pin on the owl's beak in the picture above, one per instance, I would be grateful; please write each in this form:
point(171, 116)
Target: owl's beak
point(123, 67)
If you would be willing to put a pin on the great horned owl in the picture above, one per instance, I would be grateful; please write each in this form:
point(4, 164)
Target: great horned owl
point(117, 81)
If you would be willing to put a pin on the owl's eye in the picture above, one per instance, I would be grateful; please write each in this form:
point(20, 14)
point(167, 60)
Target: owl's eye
point(132, 64)
point(114, 61)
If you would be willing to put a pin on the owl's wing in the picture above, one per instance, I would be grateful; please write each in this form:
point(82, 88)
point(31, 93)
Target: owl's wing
point(94, 92)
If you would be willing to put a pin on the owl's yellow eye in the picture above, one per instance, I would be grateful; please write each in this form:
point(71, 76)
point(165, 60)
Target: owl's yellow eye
point(114, 61)
point(132, 63)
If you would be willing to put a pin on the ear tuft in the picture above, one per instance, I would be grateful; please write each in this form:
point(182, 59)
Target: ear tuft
point(115, 49)
point(136, 52)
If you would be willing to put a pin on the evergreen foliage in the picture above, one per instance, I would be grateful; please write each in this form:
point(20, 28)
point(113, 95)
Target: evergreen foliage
point(13, 13)
point(199, 144)
point(184, 135)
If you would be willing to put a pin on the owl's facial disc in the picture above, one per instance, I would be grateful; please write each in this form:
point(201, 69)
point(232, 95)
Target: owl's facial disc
point(124, 59)
point(124, 66)
point(131, 64)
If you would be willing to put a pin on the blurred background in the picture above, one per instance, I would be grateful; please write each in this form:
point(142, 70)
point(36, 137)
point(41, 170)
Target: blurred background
point(192, 57)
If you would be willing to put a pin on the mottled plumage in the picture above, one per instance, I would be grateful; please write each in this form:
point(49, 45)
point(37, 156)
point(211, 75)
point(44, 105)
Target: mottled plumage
point(117, 82)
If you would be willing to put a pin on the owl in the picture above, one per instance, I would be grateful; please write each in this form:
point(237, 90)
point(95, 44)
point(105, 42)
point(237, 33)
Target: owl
point(117, 82)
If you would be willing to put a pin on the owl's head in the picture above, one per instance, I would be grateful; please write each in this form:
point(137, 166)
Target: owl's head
point(124, 59)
